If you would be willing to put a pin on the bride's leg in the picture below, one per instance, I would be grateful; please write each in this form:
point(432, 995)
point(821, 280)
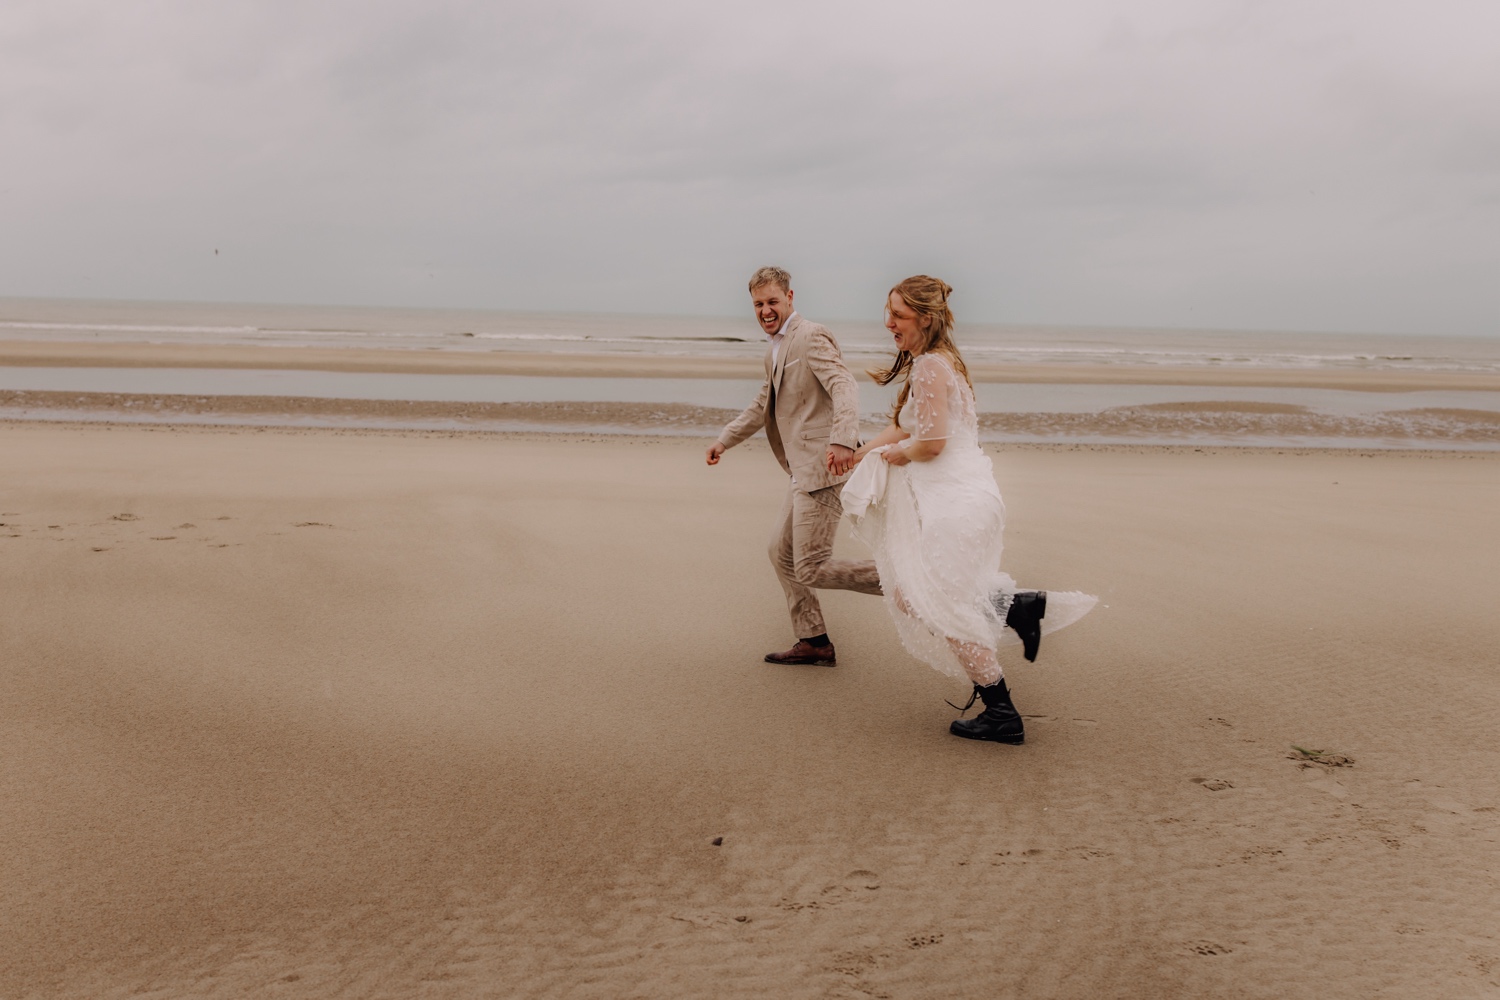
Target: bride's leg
point(978, 661)
point(999, 722)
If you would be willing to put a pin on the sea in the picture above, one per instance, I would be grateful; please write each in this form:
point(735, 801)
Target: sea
point(1082, 413)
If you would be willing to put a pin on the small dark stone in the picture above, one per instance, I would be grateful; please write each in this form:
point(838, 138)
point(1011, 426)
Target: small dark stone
point(717, 841)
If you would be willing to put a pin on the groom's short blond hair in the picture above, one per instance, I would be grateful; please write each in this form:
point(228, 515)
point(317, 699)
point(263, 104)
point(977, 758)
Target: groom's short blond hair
point(771, 276)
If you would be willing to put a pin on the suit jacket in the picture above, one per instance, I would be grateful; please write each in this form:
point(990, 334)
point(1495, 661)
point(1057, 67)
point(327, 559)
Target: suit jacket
point(808, 401)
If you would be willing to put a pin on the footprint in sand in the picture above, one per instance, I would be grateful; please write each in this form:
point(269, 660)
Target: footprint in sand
point(163, 538)
point(1486, 965)
point(1318, 758)
point(186, 526)
point(855, 963)
point(97, 548)
point(1208, 948)
point(1079, 853)
point(1442, 800)
point(1085, 722)
point(1212, 784)
point(702, 919)
point(126, 517)
point(851, 886)
point(1320, 779)
point(311, 524)
point(1089, 853)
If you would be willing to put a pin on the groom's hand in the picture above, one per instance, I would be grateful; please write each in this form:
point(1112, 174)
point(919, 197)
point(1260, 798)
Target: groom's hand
point(840, 459)
point(714, 451)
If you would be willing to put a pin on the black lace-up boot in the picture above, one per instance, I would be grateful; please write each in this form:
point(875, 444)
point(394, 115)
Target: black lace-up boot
point(1025, 614)
point(998, 723)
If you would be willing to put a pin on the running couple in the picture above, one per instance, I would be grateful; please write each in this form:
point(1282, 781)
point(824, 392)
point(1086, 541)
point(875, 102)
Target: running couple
point(922, 495)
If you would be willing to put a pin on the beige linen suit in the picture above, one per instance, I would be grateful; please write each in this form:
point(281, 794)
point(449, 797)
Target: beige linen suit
point(808, 401)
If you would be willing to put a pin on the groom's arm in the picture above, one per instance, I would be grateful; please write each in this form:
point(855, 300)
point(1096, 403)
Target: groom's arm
point(752, 419)
point(827, 365)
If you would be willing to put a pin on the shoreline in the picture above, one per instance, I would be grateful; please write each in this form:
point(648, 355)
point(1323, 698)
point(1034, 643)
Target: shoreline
point(1220, 423)
point(565, 428)
point(566, 436)
point(81, 354)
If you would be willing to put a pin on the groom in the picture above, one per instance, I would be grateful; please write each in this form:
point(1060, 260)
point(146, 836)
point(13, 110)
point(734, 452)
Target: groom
point(809, 406)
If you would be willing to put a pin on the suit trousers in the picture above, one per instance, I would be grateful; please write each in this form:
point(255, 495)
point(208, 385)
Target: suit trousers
point(802, 551)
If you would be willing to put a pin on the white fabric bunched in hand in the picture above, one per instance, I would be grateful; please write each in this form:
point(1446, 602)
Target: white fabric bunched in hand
point(866, 487)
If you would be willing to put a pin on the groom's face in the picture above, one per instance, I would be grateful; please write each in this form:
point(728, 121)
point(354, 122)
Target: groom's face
point(773, 304)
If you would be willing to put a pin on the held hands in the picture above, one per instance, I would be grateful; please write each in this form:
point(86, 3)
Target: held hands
point(841, 459)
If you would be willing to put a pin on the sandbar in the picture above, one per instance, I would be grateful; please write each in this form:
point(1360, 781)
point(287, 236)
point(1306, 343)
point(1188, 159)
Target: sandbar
point(500, 362)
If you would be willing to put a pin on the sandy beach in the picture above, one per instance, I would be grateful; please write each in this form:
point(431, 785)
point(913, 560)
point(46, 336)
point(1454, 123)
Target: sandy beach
point(319, 713)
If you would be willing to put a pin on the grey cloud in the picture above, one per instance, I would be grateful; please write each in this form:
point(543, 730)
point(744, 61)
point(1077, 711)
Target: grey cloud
point(1192, 163)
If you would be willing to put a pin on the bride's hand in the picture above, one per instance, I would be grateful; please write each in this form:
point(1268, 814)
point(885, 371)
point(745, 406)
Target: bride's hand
point(896, 455)
point(859, 456)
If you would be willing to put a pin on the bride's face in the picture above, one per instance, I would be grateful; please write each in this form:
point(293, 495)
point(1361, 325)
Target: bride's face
point(906, 328)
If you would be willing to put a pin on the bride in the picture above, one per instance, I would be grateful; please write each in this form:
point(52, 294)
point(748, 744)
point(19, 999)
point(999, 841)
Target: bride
point(924, 499)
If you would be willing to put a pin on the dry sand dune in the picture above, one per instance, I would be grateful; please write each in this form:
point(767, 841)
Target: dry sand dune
point(317, 714)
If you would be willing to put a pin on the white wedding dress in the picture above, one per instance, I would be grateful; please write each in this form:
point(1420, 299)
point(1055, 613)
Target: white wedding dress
point(936, 534)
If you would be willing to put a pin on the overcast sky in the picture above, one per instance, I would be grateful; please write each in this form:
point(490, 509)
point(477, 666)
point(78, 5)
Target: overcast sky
point(1270, 164)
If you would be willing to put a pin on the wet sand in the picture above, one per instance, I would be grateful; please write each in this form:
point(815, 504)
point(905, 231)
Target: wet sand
point(1242, 422)
point(316, 713)
point(85, 354)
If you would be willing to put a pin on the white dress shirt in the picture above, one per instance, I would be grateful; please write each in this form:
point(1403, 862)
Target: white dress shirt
point(778, 337)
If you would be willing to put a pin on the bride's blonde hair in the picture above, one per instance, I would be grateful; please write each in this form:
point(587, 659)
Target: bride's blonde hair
point(928, 298)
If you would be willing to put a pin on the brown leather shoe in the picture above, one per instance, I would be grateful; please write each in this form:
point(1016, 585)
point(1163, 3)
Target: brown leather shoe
point(804, 652)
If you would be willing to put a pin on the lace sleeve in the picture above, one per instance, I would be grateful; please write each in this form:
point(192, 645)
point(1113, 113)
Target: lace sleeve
point(931, 378)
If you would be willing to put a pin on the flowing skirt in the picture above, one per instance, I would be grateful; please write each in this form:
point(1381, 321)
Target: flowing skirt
point(937, 536)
